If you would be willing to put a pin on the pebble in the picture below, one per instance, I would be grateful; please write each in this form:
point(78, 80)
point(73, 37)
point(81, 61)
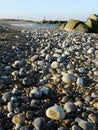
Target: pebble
point(35, 102)
point(26, 81)
point(17, 127)
point(61, 128)
point(17, 64)
point(51, 125)
point(68, 78)
point(54, 65)
point(70, 107)
point(75, 127)
point(27, 127)
point(35, 93)
point(95, 105)
point(39, 123)
point(10, 106)
point(80, 81)
point(94, 94)
point(55, 112)
point(7, 96)
point(19, 118)
point(85, 125)
point(45, 91)
point(93, 118)
point(29, 114)
point(90, 50)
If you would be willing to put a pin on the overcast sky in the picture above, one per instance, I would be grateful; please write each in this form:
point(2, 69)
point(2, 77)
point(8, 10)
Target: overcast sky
point(51, 9)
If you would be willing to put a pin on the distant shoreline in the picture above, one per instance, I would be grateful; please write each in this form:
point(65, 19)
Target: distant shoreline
point(21, 21)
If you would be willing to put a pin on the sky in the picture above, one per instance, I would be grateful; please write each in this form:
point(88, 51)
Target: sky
point(37, 10)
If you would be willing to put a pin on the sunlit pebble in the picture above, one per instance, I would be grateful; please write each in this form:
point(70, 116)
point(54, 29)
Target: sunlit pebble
point(10, 106)
point(75, 127)
point(54, 65)
point(68, 78)
point(90, 51)
point(19, 118)
point(80, 81)
point(15, 48)
point(55, 112)
point(7, 96)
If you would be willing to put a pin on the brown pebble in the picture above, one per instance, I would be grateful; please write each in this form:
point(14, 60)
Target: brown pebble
point(19, 118)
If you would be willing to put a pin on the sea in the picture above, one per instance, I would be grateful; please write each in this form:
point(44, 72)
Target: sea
point(35, 25)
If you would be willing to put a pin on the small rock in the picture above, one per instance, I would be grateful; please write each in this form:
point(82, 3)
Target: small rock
point(55, 112)
point(94, 94)
point(68, 78)
point(26, 81)
point(69, 107)
point(91, 51)
point(35, 57)
point(85, 125)
point(35, 93)
point(51, 125)
point(22, 72)
point(93, 118)
point(45, 90)
point(75, 127)
point(7, 96)
point(27, 127)
point(61, 128)
point(17, 64)
point(95, 105)
point(80, 82)
point(54, 65)
point(17, 127)
point(10, 106)
point(19, 118)
point(35, 102)
point(39, 123)
point(29, 114)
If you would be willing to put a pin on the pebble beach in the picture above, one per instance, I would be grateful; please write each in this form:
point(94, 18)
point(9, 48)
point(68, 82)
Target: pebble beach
point(48, 79)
